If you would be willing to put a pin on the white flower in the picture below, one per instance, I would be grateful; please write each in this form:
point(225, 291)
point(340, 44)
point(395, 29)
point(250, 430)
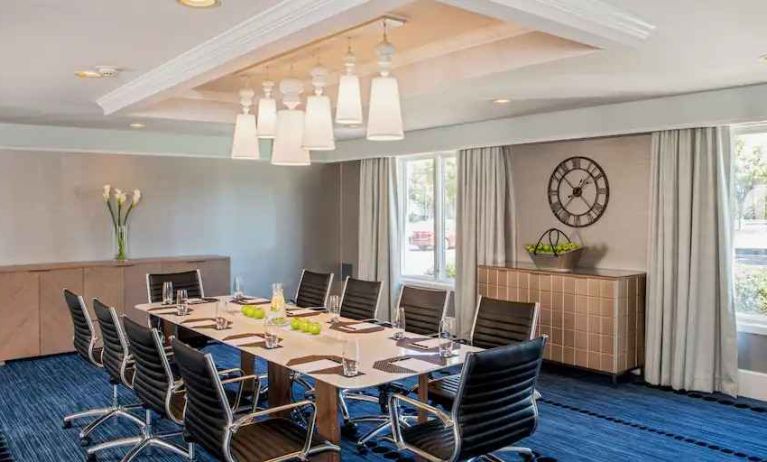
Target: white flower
point(121, 196)
point(136, 197)
point(107, 192)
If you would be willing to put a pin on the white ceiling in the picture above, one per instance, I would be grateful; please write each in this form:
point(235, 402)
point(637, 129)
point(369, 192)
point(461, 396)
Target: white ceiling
point(696, 45)
point(43, 42)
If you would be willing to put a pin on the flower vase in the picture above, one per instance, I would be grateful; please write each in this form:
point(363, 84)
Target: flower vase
point(120, 241)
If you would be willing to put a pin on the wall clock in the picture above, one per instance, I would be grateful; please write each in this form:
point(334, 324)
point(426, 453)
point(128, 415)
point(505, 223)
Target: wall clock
point(578, 192)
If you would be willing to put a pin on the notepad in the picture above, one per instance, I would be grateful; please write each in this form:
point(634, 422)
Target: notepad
point(245, 340)
point(361, 326)
point(428, 344)
point(300, 312)
point(316, 365)
point(201, 323)
point(414, 364)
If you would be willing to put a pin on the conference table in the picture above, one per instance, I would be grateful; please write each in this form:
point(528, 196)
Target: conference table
point(382, 358)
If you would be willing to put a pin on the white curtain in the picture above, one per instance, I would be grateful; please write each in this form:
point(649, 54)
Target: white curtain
point(485, 235)
point(379, 254)
point(691, 333)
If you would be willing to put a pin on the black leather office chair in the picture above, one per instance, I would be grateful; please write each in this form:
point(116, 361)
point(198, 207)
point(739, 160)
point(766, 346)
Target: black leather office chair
point(191, 281)
point(496, 323)
point(85, 343)
point(313, 289)
point(359, 299)
point(158, 389)
point(424, 308)
point(494, 408)
point(256, 436)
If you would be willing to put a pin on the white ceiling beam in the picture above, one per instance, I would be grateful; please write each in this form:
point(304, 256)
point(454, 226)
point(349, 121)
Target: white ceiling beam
point(593, 22)
point(280, 28)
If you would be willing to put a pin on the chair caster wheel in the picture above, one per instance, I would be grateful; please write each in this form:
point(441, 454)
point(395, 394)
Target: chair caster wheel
point(349, 429)
point(85, 441)
point(361, 449)
point(66, 424)
point(90, 458)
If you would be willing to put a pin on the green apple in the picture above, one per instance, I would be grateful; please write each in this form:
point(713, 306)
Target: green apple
point(259, 313)
point(247, 310)
point(305, 325)
point(295, 324)
point(315, 328)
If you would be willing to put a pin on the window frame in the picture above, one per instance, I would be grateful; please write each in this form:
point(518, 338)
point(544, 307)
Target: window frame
point(749, 323)
point(439, 279)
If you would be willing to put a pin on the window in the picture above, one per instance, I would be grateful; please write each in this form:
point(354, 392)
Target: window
point(428, 190)
point(750, 215)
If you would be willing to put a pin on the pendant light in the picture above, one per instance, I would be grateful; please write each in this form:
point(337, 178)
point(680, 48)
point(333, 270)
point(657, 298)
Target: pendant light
point(318, 125)
point(349, 103)
point(267, 111)
point(289, 135)
point(385, 114)
point(245, 143)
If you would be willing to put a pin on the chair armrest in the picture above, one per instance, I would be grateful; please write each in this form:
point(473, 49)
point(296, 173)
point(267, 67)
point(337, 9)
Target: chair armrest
point(251, 418)
point(241, 379)
point(394, 417)
point(234, 370)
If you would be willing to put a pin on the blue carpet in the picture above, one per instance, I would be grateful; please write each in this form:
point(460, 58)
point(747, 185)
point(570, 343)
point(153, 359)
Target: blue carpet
point(582, 417)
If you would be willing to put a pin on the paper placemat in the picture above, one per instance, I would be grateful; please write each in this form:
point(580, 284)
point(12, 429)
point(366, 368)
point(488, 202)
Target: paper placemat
point(414, 364)
point(200, 323)
point(398, 364)
point(315, 365)
point(250, 301)
point(428, 344)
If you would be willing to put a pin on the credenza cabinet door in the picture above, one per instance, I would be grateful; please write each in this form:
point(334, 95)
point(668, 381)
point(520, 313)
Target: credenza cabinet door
point(106, 284)
point(56, 331)
point(20, 325)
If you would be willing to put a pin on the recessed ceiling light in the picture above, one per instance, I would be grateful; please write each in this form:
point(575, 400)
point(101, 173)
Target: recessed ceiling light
point(137, 125)
point(501, 101)
point(200, 3)
point(88, 74)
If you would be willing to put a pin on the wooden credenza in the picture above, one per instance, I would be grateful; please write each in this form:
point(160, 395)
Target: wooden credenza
point(594, 318)
point(34, 319)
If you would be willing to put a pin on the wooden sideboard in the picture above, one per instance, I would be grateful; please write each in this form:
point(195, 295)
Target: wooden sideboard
point(35, 318)
point(594, 318)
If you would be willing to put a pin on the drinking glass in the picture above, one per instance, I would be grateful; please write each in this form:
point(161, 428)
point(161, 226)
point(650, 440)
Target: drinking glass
point(221, 321)
point(399, 324)
point(237, 292)
point(271, 340)
point(167, 293)
point(334, 307)
point(446, 335)
point(351, 357)
point(182, 302)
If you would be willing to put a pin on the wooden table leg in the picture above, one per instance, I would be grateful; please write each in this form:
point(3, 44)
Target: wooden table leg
point(423, 396)
point(279, 385)
point(327, 424)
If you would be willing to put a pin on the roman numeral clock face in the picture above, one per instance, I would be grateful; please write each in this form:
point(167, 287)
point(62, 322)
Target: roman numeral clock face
point(578, 192)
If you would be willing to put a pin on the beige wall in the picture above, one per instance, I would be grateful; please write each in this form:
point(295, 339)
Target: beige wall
point(271, 220)
point(619, 239)
point(350, 212)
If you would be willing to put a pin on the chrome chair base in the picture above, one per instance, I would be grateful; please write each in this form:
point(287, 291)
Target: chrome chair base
point(145, 440)
point(103, 415)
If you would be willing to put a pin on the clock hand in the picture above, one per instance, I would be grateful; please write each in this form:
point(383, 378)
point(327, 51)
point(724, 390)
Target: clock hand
point(568, 182)
point(584, 201)
point(571, 198)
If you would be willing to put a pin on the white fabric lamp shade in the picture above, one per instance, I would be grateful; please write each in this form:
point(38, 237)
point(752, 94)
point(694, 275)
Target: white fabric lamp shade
point(318, 126)
point(385, 115)
point(245, 143)
point(267, 118)
point(349, 104)
point(287, 149)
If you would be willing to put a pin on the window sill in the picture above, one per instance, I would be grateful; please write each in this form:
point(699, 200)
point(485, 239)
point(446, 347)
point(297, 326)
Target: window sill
point(751, 323)
point(427, 283)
